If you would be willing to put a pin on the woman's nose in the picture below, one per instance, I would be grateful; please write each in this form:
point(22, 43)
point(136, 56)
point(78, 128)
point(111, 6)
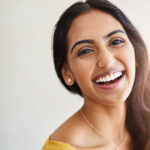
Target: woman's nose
point(105, 59)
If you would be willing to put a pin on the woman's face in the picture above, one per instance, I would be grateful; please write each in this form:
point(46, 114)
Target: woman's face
point(101, 58)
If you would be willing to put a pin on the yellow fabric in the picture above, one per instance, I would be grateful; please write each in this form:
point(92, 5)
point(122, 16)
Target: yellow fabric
point(55, 145)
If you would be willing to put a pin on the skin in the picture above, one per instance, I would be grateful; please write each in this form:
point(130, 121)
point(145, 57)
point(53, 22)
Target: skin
point(104, 108)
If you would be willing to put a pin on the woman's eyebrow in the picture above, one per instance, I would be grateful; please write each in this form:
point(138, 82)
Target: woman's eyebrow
point(113, 32)
point(91, 41)
point(81, 42)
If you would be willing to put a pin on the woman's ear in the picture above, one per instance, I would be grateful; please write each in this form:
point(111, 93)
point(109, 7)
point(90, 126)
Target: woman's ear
point(67, 75)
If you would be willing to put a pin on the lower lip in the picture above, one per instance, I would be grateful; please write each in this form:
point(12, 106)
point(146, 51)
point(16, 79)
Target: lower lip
point(111, 86)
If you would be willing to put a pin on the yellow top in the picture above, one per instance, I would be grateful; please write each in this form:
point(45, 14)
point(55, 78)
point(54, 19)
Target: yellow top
point(56, 145)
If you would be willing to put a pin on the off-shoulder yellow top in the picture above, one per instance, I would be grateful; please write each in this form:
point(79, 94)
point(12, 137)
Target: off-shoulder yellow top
point(56, 145)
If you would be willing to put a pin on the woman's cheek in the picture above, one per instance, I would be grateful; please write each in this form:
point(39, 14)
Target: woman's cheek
point(82, 70)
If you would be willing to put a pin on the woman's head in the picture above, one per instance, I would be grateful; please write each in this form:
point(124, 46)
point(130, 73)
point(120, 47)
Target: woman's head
point(99, 50)
point(63, 26)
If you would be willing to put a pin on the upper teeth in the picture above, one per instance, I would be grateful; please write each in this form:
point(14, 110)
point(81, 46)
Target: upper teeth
point(110, 77)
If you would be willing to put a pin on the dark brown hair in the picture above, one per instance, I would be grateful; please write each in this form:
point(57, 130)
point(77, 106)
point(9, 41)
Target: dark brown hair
point(138, 105)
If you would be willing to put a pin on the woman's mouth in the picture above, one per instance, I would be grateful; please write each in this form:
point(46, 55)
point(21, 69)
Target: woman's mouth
point(110, 80)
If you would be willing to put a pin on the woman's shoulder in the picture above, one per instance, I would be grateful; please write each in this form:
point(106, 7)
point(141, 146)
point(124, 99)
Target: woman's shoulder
point(69, 130)
point(71, 135)
point(67, 136)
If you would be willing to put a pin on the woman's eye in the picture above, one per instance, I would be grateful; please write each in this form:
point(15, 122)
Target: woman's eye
point(116, 42)
point(85, 51)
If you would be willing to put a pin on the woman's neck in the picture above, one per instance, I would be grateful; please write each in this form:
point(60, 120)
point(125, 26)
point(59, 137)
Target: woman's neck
point(108, 120)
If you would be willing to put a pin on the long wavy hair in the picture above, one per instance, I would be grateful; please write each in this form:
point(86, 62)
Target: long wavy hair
point(138, 102)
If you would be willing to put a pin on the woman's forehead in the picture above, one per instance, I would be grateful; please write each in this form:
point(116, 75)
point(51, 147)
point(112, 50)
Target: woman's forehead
point(91, 24)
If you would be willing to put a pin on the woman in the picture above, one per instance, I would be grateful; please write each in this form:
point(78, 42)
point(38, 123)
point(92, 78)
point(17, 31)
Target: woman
point(99, 55)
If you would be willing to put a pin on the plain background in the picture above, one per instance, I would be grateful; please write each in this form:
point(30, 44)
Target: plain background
point(33, 103)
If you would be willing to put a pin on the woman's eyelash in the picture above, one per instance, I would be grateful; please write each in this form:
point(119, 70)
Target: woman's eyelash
point(88, 50)
point(116, 42)
point(84, 51)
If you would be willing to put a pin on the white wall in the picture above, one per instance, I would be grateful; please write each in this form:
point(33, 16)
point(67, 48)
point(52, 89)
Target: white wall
point(32, 100)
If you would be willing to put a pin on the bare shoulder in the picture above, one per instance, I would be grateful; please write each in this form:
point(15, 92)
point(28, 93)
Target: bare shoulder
point(76, 132)
point(70, 130)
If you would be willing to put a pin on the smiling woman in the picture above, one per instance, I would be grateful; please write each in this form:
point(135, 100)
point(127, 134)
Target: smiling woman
point(99, 55)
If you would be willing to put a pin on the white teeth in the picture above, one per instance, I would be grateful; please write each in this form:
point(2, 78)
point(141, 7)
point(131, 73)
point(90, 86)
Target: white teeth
point(110, 77)
point(104, 79)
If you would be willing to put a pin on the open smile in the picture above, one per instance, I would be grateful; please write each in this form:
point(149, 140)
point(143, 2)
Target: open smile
point(110, 80)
